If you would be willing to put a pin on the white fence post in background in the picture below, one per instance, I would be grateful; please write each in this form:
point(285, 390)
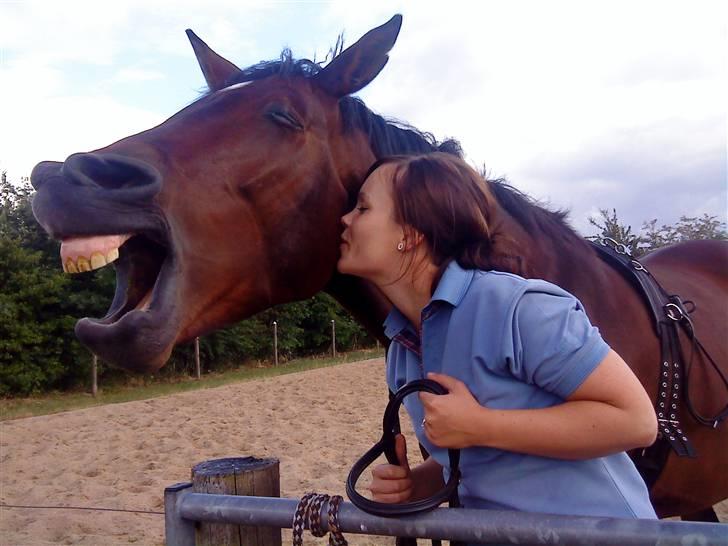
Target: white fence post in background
point(197, 357)
point(275, 342)
point(333, 338)
point(94, 376)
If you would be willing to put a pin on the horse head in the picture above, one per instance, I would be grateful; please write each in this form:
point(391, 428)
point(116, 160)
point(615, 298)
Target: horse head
point(230, 206)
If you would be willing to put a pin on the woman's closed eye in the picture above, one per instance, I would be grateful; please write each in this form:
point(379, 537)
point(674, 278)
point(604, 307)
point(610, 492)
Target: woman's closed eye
point(362, 208)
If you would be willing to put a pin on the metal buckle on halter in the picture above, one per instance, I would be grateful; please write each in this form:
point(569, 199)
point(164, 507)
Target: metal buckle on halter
point(619, 248)
point(674, 312)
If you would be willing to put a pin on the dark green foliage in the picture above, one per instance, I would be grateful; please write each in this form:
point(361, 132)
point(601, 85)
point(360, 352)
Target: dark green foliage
point(39, 304)
point(31, 332)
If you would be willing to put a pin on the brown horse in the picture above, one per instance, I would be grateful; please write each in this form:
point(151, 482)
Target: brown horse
point(234, 203)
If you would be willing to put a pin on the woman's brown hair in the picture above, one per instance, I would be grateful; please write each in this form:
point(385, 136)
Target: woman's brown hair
point(441, 197)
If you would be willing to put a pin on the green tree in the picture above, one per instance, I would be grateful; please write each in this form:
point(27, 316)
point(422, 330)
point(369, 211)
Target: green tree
point(688, 228)
point(39, 304)
point(610, 226)
point(651, 237)
point(31, 332)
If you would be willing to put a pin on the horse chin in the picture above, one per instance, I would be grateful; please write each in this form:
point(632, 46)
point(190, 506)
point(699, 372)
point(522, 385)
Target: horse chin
point(140, 328)
point(140, 341)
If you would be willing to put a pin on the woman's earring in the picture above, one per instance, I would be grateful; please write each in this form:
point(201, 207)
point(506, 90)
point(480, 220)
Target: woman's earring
point(400, 246)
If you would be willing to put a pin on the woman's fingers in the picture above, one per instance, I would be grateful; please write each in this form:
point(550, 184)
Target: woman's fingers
point(390, 472)
point(393, 498)
point(390, 484)
point(400, 448)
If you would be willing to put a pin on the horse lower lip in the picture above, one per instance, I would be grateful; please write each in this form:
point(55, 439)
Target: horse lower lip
point(139, 341)
point(136, 334)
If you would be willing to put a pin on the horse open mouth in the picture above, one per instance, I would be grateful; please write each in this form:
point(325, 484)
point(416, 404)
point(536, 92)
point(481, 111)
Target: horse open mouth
point(138, 326)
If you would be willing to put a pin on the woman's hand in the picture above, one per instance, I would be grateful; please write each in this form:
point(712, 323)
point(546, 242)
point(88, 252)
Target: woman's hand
point(449, 418)
point(397, 484)
point(392, 483)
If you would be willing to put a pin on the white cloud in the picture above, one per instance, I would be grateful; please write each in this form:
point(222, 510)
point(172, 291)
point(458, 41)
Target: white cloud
point(532, 89)
point(529, 88)
point(137, 74)
point(32, 139)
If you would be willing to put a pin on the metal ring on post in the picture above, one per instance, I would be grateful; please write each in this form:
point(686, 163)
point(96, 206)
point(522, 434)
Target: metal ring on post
point(386, 445)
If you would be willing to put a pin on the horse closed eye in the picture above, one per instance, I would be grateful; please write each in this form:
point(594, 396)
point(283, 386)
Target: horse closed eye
point(285, 119)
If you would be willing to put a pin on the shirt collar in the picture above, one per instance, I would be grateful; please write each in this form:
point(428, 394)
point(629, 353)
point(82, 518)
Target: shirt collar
point(451, 289)
point(453, 284)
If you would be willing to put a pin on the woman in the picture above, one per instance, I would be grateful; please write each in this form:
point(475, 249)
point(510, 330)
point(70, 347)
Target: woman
point(541, 407)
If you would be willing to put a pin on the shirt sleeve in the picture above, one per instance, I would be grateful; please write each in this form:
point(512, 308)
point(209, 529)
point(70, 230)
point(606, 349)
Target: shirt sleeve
point(554, 345)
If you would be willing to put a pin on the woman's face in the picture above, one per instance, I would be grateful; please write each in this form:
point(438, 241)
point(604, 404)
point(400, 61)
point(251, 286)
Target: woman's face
point(371, 235)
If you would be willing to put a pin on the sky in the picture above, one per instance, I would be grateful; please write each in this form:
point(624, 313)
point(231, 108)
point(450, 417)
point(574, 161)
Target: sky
point(582, 105)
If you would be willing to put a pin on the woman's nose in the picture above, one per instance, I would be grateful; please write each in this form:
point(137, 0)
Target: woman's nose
point(345, 220)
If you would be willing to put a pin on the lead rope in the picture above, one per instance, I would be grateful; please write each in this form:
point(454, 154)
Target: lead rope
point(308, 514)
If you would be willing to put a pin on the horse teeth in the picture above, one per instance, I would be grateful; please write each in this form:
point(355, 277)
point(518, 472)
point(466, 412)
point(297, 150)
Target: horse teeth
point(112, 255)
point(83, 264)
point(102, 249)
point(97, 260)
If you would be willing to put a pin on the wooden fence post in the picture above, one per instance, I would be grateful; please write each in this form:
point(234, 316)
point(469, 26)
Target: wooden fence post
point(237, 476)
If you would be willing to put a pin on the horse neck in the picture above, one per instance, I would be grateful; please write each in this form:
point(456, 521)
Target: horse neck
point(553, 253)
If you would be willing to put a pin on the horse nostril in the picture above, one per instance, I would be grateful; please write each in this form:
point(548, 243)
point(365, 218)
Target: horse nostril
point(42, 171)
point(109, 171)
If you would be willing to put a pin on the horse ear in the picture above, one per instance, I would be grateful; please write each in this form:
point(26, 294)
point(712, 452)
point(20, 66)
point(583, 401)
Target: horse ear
point(359, 64)
point(216, 69)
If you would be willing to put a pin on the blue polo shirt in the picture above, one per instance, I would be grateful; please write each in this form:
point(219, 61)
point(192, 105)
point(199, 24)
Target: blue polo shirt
point(515, 343)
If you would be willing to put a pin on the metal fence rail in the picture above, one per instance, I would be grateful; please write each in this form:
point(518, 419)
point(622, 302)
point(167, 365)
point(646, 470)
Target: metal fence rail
point(183, 508)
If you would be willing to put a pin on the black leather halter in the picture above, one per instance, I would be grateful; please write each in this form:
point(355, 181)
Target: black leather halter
point(669, 313)
point(390, 425)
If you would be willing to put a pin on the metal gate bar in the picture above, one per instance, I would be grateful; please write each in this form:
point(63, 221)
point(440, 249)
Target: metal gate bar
point(183, 508)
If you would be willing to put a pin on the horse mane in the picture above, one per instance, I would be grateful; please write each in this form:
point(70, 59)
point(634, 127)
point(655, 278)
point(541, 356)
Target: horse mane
point(388, 136)
point(534, 216)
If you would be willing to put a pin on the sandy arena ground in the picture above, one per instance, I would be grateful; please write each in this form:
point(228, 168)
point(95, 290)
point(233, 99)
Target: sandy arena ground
point(122, 456)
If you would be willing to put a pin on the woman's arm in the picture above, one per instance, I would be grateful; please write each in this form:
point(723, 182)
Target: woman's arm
point(609, 412)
